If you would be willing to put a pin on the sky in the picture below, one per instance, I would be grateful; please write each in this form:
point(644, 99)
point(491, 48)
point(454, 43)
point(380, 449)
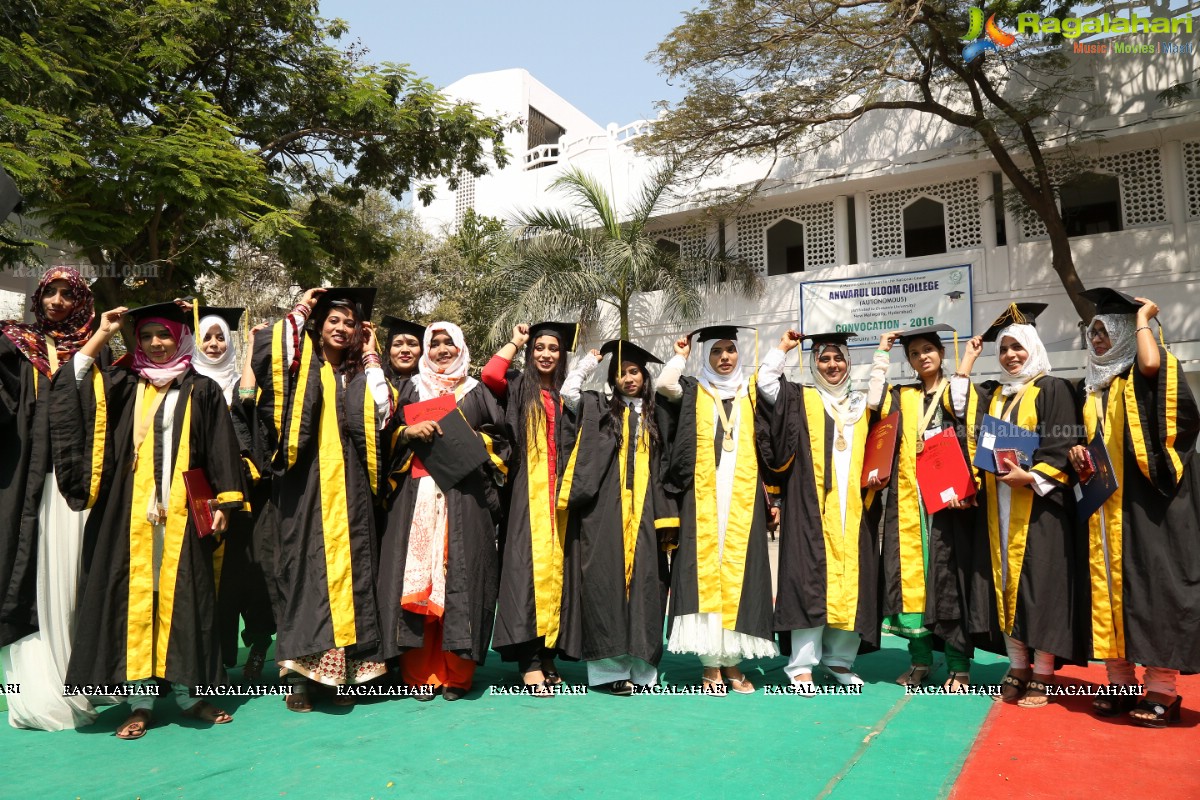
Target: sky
point(593, 54)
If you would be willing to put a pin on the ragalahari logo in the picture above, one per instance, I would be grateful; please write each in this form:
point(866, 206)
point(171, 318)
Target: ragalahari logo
point(995, 38)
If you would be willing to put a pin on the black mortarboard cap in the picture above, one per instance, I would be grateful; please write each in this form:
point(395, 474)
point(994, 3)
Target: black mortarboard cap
point(840, 337)
point(395, 326)
point(363, 299)
point(1015, 314)
point(930, 332)
point(718, 332)
point(232, 316)
point(1110, 301)
point(567, 333)
point(170, 311)
point(621, 350)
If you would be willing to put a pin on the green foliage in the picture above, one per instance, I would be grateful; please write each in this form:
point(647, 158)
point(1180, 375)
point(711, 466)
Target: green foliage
point(774, 78)
point(575, 262)
point(178, 133)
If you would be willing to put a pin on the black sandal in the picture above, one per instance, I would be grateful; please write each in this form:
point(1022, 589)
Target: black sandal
point(1113, 702)
point(1018, 685)
point(1036, 691)
point(916, 675)
point(1164, 715)
point(255, 660)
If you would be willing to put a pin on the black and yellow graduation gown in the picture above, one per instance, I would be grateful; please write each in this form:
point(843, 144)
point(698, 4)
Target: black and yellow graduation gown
point(246, 560)
point(1144, 544)
point(1039, 594)
point(828, 574)
point(530, 605)
point(472, 562)
point(126, 631)
point(946, 577)
point(616, 573)
point(323, 475)
point(25, 461)
point(735, 583)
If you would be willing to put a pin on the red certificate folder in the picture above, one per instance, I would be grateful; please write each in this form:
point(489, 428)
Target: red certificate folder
point(881, 448)
point(434, 410)
point(201, 500)
point(942, 472)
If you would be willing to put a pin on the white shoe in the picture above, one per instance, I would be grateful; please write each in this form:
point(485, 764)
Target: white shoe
point(804, 688)
point(845, 678)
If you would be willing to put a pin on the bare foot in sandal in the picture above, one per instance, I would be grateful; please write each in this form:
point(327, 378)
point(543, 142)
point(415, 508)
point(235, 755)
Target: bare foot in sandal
point(1036, 695)
point(136, 726)
point(207, 712)
point(712, 682)
point(1015, 684)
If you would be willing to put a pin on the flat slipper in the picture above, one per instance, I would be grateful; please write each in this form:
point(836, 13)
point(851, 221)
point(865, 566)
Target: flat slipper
point(140, 717)
point(207, 712)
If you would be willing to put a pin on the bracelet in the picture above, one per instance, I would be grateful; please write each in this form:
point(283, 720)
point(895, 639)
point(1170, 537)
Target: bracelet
point(1143, 328)
point(246, 393)
point(302, 309)
point(514, 344)
point(372, 359)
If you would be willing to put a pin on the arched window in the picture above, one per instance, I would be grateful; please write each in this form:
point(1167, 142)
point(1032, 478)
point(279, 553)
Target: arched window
point(1091, 203)
point(924, 228)
point(785, 247)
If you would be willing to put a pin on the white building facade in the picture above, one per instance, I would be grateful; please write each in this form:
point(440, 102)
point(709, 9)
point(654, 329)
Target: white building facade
point(901, 192)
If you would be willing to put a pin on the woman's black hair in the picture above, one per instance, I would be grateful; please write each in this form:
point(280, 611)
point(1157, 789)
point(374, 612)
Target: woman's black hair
point(530, 400)
point(352, 360)
point(616, 409)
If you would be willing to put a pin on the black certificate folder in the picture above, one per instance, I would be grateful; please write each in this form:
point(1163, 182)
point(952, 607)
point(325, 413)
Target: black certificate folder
point(1091, 494)
point(455, 454)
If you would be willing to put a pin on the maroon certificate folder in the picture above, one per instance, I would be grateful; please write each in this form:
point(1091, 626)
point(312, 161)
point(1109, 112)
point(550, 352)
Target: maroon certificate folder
point(435, 409)
point(200, 499)
point(881, 448)
point(942, 472)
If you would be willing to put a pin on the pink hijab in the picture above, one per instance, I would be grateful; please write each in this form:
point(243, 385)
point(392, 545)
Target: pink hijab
point(162, 374)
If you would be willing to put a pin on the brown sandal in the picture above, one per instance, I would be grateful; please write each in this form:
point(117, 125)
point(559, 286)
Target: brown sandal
point(140, 718)
point(299, 702)
point(207, 712)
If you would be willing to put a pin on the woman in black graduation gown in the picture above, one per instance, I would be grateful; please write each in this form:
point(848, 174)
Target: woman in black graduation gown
point(439, 570)
point(814, 440)
point(40, 536)
point(542, 431)
point(243, 593)
point(405, 343)
point(936, 576)
point(324, 399)
point(721, 573)
point(1145, 540)
point(123, 439)
point(616, 571)
point(1037, 567)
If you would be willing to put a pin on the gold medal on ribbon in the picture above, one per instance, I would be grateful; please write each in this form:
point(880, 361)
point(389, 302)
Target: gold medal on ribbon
point(840, 442)
point(727, 444)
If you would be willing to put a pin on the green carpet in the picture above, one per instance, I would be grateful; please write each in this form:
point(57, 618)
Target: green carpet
point(877, 745)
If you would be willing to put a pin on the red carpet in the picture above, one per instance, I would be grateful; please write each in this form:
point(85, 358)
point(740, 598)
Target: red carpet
point(1064, 751)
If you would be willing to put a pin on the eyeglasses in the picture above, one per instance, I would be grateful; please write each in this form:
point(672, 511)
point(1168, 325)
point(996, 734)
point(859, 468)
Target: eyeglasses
point(1097, 333)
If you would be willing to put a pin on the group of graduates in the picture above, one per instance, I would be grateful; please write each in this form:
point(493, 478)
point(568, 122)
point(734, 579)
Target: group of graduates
point(387, 516)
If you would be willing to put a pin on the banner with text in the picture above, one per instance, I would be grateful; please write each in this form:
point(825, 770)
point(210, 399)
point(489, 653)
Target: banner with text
point(870, 306)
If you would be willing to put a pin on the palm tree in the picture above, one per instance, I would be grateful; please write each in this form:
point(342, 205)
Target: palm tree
point(591, 257)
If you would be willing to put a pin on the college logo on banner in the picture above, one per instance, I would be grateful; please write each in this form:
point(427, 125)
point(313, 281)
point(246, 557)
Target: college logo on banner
point(870, 306)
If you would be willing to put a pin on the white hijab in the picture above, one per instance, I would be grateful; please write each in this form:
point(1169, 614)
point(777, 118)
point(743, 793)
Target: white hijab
point(840, 399)
point(725, 387)
point(434, 380)
point(224, 370)
point(1122, 337)
point(1038, 361)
